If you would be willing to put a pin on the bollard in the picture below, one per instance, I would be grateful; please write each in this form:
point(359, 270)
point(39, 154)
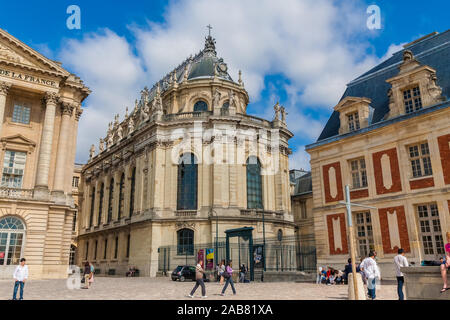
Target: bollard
point(361, 289)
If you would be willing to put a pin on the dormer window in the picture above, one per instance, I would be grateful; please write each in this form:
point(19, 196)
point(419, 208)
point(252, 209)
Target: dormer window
point(353, 121)
point(354, 113)
point(413, 88)
point(412, 100)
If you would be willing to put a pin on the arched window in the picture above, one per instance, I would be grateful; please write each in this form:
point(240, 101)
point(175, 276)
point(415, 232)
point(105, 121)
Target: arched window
point(200, 106)
point(100, 206)
point(111, 199)
point(254, 185)
point(185, 242)
point(91, 216)
point(187, 182)
point(12, 234)
point(121, 195)
point(133, 187)
point(226, 105)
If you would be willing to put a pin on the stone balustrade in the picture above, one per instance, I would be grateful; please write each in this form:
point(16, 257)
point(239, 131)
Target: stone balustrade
point(13, 193)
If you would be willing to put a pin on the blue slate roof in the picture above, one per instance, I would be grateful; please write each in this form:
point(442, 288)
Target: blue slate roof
point(433, 51)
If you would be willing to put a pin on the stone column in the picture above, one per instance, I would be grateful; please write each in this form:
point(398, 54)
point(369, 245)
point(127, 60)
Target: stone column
point(4, 88)
point(45, 151)
point(62, 151)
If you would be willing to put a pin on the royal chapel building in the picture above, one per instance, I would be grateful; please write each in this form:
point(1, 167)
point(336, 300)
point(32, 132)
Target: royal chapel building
point(186, 165)
point(40, 106)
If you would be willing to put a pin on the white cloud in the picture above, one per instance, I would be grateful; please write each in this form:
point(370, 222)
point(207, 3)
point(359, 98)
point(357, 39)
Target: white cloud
point(299, 159)
point(108, 67)
point(319, 45)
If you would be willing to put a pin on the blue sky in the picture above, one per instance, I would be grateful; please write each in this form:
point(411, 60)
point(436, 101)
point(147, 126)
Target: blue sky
point(298, 52)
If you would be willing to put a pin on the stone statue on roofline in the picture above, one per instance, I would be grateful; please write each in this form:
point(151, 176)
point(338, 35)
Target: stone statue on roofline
point(119, 132)
point(283, 114)
point(91, 152)
point(277, 109)
point(101, 146)
point(130, 125)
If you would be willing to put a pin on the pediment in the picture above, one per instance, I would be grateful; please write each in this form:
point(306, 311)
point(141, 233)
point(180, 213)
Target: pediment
point(350, 101)
point(17, 139)
point(16, 53)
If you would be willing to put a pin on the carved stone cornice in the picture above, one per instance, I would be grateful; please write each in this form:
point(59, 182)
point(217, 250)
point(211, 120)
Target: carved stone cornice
point(51, 97)
point(4, 88)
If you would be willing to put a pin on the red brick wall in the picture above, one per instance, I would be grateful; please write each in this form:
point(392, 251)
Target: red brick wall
point(422, 183)
point(443, 142)
point(402, 229)
point(343, 233)
point(326, 182)
point(395, 171)
point(357, 194)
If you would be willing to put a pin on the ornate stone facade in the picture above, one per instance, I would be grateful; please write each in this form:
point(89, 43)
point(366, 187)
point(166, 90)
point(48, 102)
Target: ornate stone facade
point(135, 198)
point(40, 105)
point(388, 140)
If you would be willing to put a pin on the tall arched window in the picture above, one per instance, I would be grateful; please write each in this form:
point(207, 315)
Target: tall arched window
point(100, 206)
point(187, 182)
point(200, 106)
point(133, 187)
point(91, 216)
point(254, 184)
point(12, 234)
point(121, 196)
point(111, 199)
point(185, 242)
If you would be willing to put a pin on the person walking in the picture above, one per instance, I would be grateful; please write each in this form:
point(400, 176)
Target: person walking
point(221, 271)
point(242, 273)
point(400, 261)
point(372, 273)
point(20, 276)
point(199, 280)
point(87, 274)
point(228, 275)
point(91, 278)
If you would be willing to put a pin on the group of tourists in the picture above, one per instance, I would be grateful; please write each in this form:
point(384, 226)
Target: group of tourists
point(224, 274)
point(330, 276)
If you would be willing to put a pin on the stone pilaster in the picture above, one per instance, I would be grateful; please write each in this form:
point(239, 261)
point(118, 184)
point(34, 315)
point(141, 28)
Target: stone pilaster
point(45, 151)
point(63, 151)
point(4, 88)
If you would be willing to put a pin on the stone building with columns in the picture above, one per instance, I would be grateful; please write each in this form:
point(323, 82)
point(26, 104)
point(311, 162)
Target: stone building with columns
point(389, 140)
point(40, 105)
point(185, 165)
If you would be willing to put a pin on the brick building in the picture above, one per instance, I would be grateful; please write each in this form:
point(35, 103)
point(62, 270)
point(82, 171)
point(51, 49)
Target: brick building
point(389, 139)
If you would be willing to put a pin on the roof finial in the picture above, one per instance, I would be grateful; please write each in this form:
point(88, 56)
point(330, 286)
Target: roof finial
point(210, 43)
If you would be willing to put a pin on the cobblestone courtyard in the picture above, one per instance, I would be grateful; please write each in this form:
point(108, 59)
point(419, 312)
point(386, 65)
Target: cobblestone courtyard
point(106, 288)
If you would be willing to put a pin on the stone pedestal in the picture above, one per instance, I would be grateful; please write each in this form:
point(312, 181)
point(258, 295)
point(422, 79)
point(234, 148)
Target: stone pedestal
point(424, 283)
point(41, 193)
point(361, 290)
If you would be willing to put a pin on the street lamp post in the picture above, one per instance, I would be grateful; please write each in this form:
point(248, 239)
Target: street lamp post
point(349, 205)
